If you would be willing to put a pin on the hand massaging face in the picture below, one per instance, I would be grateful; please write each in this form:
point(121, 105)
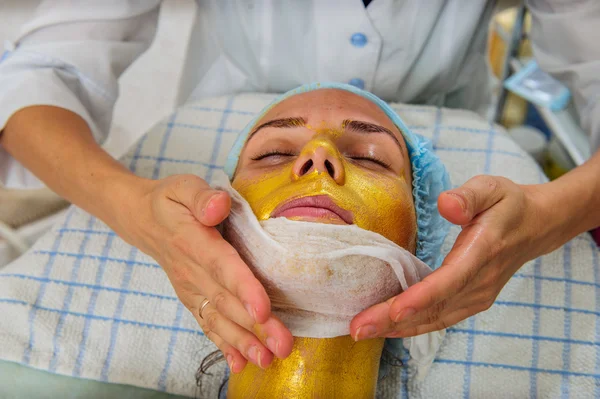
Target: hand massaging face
point(330, 156)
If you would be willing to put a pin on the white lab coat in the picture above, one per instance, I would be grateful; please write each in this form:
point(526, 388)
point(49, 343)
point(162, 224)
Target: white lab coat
point(430, 52)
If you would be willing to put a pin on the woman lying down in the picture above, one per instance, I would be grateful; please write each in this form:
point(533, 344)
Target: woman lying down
point(334, 209)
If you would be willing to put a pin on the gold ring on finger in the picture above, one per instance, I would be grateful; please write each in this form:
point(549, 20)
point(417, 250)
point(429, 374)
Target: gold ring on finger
point(205, 302)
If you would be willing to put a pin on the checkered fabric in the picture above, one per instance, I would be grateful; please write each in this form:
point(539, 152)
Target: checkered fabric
point(83, 303)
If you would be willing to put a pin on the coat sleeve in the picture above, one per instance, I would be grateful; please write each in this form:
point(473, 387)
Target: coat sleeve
point(565, 41)
point(71, 55)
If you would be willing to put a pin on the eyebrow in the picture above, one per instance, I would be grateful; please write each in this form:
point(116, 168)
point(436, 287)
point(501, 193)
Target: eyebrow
point(283, 123)
point(368, 127)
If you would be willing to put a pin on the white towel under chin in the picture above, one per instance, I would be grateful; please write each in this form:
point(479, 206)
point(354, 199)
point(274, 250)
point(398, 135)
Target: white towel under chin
point(319, 276)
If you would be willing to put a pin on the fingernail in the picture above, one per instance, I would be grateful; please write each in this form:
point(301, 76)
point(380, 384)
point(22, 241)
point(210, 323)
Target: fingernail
point(404, 314)
point(254, 355)
point(252, 352)
point(259, 360)
point(461, 201)
point(364, 332)
point(272, 344)
point(230, 362)
point(208, 203)
point(251, 311)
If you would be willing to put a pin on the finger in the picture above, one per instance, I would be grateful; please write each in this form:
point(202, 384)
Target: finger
point(234, 358)
point(372, 322)
point(216, 209)
point(193, 284)
point(462, 204)
point(376, 321)
point(447, 321)
point(209, 206)
point(228, 270)
point(225, 303)
point(436, 315)
point(439, 311)
point(434, 318)
point(243, 340)
point(430, 295)
point(276, 336)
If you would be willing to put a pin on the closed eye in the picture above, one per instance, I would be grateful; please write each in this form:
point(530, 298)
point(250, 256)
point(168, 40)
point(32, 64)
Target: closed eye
point(372, 159)
point(274, 153)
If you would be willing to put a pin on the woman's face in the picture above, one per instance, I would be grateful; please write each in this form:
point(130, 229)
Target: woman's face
point(330, 156)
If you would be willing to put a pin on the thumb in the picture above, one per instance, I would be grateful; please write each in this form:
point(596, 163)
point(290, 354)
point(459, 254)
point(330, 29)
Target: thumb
point(209, 206)
point(214, 208)
point(461, 205)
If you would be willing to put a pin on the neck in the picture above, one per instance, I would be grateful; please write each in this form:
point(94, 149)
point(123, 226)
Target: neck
point(317, 367)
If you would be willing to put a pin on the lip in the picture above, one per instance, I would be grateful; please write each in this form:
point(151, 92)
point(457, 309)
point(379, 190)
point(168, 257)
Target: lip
point(318, 202)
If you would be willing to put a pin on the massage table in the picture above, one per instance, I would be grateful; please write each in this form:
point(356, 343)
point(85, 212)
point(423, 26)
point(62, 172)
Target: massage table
point(86, 315)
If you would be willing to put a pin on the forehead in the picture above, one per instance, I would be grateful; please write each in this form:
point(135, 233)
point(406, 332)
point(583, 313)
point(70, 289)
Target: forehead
point(330, 106)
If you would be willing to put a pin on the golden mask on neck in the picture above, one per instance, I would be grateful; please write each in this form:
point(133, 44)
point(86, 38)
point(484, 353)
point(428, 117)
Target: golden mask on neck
point(330, 156)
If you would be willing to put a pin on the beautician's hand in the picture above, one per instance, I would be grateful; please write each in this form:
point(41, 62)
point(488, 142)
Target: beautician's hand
point(504, 225)
point(174, 221)
point(171, 220)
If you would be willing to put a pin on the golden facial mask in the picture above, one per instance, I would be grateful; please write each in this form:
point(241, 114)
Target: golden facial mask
point(379, 202)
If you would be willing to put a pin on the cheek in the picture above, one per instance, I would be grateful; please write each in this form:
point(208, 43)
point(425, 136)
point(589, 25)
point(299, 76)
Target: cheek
point(257, 190)
point(388, 207)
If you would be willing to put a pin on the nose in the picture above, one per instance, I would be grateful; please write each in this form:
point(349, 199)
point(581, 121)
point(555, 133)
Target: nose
point(322, 157)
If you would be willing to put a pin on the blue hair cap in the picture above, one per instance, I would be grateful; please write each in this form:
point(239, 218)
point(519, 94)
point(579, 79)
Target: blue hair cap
point(430, 177)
